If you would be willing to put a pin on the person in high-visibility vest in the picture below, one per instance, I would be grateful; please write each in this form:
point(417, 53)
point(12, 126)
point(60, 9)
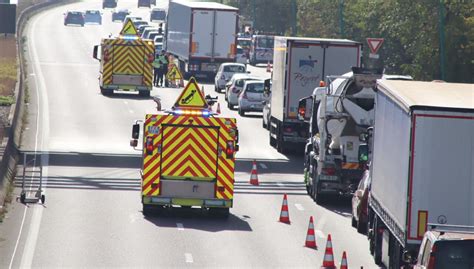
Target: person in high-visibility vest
point(163, 59)
point(156, 70)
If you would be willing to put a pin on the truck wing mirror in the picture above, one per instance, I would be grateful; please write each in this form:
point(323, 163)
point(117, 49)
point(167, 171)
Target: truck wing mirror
point(267, 86)
point(135, 131)
point(409, 257)
point(304, 108)
point(95, 53)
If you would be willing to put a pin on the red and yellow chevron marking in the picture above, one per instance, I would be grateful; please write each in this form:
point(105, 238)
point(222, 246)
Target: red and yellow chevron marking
point(189, 152)
point(350, 165)
point(128, 57)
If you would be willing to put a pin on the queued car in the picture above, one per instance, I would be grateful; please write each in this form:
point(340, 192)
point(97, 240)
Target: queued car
point(251, 97)
point(93, 16)
point(360, 203)
point(119, 15)
point(109, 4)
point(225, 73)
point(445, 246)
point(144, 3)
point(139, 23)
point(266, 111)
point(158, 15)
point(234, 87)
point(159, 39)
point(145, 29)
point(133, 18)
point(241, 56)
point(153, 34)
point(74, 17)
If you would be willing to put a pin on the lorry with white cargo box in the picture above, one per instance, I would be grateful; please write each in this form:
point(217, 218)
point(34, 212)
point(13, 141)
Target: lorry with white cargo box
point(422, 166)
point(201, 36)
point(299, 64)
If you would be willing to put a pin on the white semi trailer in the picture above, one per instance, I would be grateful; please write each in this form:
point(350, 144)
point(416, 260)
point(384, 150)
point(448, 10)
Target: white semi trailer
point(201, 36)
point(423, 164)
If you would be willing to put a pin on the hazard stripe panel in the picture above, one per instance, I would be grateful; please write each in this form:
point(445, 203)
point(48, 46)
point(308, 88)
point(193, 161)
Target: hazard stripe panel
point(181, 151)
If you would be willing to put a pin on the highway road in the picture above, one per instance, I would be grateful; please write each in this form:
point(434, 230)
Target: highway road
point(92, 216)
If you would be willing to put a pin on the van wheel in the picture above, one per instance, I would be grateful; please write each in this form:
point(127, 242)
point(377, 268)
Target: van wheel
point(106, 92)
point(241, 112)
point(229, 106)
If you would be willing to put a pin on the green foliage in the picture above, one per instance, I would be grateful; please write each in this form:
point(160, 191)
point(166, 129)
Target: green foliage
point(6, 100)
point(411, 30)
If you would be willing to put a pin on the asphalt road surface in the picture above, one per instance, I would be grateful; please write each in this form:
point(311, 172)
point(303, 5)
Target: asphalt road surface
point(92, 216)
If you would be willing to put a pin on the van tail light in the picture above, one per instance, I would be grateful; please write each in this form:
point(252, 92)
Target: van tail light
point(234, 89)
point(330, 171)
point(149, 145)
point(229, 151)
point(432, 261)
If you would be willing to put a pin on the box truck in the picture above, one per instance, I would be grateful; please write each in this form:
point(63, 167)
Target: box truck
point(299, 64)
point(201, 36)
point(423, 164)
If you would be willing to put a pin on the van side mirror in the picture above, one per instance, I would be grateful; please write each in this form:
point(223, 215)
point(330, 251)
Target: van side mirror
point(363, 153)
point(304, 108)
point(135, 131)
point(95, 53)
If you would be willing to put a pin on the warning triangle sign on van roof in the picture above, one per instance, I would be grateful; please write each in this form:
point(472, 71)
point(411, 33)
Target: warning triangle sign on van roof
point(191, 97)
point(129, 28)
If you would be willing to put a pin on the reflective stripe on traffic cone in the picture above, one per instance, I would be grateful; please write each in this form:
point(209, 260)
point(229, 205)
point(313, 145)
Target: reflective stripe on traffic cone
point(344, 261)
point(328, 262)
point(284, 215)
point(310, 238)
point(253, 173)
point(218, 110)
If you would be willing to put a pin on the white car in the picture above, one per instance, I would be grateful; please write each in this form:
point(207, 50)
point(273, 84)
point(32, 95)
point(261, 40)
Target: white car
point(241, 56)
point(251, 97)
point(225, 73)
point(234, 87)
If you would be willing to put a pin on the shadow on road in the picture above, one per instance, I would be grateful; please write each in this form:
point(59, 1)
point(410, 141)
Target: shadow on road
point(199, 219)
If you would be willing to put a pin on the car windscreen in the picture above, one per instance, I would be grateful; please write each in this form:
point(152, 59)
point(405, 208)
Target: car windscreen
point(244, 43)
point(255, 88)
point(158, 15)
point(234, 69)
point(240, 50)
point(455, 254)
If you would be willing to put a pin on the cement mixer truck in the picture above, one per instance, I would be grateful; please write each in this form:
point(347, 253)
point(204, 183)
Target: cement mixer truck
point(338, 115)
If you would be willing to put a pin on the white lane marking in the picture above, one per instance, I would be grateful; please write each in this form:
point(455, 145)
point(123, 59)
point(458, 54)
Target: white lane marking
point(188, 257)
point(125, 102)
point(131, 111)
point(319, 233)
point(180, 226)
point(299, 207)
point(32, 74)
point(31, 239)
point(280, 184)
point(263, 166)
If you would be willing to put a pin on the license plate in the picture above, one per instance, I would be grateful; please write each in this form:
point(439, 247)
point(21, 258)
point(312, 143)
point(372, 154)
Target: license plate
point(328, 178)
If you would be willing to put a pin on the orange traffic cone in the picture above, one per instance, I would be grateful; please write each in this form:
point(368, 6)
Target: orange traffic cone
point(328, 262)
point(253, 174)
point(218, 110)
point(284, 215)
point(269, 68)
point(310, 238)
point(344, 261)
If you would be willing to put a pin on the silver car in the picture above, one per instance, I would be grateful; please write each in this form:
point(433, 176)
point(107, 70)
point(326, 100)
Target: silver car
point(225, 73)
point(251, 97)
point(234, 87)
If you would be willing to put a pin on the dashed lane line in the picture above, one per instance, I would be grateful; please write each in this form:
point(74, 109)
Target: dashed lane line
point(188, 257)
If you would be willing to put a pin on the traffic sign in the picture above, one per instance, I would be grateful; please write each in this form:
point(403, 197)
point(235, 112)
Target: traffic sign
point(128, 28)
point(374, 44)
point(174, 74)
point(191, 97)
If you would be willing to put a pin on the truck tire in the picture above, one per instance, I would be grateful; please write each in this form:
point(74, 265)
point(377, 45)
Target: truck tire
point(354, 222)
point(241, 112)
point(281, 147)
point(377, 242)
point(361, 227)
point(395, 253)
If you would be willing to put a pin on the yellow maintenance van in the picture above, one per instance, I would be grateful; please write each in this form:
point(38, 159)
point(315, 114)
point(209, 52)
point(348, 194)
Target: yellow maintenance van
point(188, 156)
point(125, 62)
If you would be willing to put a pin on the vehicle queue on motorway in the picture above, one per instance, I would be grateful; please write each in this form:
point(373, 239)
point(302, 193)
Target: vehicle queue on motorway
point(402, 149)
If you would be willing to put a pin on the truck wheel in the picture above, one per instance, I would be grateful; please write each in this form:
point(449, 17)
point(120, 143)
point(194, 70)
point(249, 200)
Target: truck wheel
point(264, 126)
point(377, 244)
point(241, 112)
point(354, 222)
point(229, 106)
point(281, 147)
point(394, 248)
